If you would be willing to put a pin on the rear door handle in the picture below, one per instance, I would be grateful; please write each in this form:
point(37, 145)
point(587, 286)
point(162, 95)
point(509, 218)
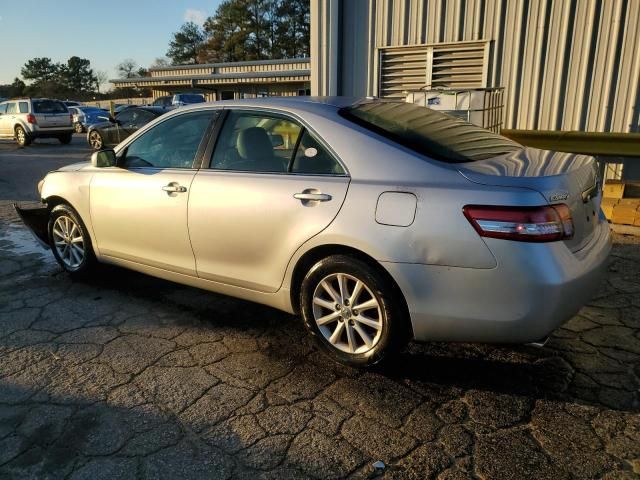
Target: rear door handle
point(173, 187)
point(317, 197)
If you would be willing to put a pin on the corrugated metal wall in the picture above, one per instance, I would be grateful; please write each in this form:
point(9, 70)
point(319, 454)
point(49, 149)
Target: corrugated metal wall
point(565, 64)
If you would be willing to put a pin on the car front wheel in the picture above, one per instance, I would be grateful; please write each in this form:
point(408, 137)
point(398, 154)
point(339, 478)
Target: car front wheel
point(78, 128)
point(69, 241)
point(353, 311)
point(95, 140)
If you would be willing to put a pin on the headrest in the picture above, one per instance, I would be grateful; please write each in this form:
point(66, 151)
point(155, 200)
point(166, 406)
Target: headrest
point(254, 143)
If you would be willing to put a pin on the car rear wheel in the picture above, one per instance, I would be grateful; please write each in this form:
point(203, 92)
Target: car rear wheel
point(352, 311)
point(70, 241)
point(78, 128)
point(95, 140)
point(66, 139)
point(22, 139)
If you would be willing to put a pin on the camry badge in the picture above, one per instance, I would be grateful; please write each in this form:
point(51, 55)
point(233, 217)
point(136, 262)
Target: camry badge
point(557, 196)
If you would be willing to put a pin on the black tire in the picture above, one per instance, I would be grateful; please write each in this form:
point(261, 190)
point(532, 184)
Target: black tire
point(22, 137)
point(386, 340)
point(78, 128)
point(95, 140)
point(88, 261)
point(66, 139)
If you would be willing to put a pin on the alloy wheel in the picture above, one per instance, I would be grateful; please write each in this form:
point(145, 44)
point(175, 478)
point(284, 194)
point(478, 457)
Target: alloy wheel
point(68, 242)
point(347, 313)
point(95, 140)
point(21, 136)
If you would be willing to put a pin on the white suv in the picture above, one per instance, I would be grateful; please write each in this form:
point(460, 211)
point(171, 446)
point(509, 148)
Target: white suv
point(27, 118)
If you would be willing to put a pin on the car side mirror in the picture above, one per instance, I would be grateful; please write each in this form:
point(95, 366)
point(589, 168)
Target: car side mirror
point(104, 158)
point(277, 141)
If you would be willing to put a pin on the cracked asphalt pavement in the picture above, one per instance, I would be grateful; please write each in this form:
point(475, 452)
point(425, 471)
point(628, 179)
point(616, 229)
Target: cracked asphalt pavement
point(128, 376)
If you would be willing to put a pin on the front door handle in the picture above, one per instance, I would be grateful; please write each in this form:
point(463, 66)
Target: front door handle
point(316, 197)
point(173, 187)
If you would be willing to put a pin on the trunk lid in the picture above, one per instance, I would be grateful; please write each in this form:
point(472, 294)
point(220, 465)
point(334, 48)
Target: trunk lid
point(560, 178)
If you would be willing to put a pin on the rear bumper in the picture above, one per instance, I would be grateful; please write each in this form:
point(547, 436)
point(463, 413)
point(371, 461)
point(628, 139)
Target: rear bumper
point(36, 219)
point(40, 132)
point(533, 290)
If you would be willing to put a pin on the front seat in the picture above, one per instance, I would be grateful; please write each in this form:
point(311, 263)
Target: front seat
point(255, 150)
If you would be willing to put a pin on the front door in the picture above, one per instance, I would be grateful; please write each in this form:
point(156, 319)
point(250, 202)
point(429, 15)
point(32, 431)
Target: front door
point(139, 209)
point(271, 187)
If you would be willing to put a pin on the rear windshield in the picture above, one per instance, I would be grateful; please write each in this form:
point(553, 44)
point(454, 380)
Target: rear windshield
point(48, 106)
point(191, 98)
point(428, 132)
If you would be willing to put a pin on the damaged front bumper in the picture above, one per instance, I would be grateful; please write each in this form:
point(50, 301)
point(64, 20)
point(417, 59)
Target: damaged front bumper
point(37, 220)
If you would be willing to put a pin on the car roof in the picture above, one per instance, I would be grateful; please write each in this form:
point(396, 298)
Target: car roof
point(302, 103)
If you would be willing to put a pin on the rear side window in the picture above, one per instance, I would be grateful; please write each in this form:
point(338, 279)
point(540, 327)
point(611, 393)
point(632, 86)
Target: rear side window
point(428, 132)
point(312, 158)
point(48, 106)
point(23, 107)
point(255, 142)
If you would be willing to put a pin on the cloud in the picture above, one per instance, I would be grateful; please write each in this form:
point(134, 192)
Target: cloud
point(196, 16)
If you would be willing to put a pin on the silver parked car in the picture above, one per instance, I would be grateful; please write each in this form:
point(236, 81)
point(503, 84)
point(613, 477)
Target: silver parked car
point(25, 119)
point(377, 221)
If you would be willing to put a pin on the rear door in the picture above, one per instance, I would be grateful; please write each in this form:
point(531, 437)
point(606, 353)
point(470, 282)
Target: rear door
point(51, 114)
point(271, 185)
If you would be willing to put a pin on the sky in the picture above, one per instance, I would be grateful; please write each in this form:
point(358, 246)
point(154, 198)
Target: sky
point(105, 32)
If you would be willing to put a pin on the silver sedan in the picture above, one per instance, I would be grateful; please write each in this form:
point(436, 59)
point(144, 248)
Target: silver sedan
point(378, 222)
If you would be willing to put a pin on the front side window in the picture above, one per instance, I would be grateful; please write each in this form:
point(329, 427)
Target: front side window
point(142, 117)
point(428, 132)
point(23, 107)
point(12, 108)
point(170, 144)
point(3, 108)
point(255, 142)
point(125, 118)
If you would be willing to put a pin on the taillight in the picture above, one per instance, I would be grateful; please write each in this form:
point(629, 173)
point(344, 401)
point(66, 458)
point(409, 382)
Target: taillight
point(31, 118)
point(71, 117)
point(546, 223)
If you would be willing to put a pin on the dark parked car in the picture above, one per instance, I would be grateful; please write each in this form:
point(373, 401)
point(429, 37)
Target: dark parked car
point(179, 100)
point(114, 130)
point(162, 102)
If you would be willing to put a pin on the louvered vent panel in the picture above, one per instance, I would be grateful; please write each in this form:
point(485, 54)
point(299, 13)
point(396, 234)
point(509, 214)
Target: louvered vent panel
point(408, 69)
point(402, 69)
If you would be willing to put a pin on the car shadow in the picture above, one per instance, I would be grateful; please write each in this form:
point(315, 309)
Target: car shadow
point(537, 373)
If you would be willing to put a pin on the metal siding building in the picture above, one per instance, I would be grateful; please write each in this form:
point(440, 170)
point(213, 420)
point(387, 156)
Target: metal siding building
point(565, 64)
point(287, 77)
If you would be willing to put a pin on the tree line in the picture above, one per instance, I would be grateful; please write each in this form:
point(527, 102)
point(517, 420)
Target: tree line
point(73, 79)
point(238, 30)
point(245, 30)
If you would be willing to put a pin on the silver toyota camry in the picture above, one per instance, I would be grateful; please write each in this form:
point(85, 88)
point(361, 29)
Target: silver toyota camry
point(378, 222)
